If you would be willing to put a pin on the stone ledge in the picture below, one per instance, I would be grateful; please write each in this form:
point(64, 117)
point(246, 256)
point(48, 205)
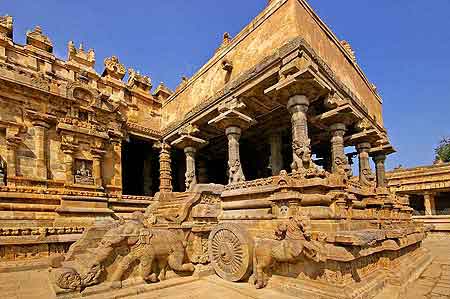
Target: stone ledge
point(84, 210)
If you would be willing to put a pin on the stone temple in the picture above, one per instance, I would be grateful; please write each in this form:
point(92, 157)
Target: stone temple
point(241, 176)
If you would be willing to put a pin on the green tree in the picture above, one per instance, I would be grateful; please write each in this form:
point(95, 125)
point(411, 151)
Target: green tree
point(443, 150)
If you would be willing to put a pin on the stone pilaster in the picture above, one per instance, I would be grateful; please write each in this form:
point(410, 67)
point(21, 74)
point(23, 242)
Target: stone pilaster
point(191, 177)
point(12, 143)
point(97, 163)
point(301, 148)
point(235, 172)
point(40, 137)
point(276, 156)
point(68, 165)
point(339, 161)
point(11, 158)
point(429, 203)
point(69, 147)
point(117, 160)
point(380, 170)
point(165, 169)
point(366, 177)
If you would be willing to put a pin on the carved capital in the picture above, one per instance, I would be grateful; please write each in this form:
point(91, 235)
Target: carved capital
point(231, 115)
point(298, 103)
point(162, 146)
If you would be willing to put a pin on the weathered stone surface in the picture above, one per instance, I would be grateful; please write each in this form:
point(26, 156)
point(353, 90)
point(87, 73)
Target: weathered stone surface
point(291, 219)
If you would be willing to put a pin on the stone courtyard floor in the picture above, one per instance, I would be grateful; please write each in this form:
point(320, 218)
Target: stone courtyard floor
point(434, 283)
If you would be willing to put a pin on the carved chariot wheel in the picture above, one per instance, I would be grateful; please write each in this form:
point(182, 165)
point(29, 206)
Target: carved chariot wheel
point(231, 251)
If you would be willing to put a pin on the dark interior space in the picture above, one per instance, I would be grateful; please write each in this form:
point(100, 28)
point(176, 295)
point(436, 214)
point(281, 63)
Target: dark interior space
point(442, 201)
point(255, 158)
point(217, 171)
point(140, 168)
point(417, 203)
point(178, 170)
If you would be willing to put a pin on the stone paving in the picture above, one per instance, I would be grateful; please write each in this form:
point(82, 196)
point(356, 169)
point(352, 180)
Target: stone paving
point(25, 285)
point(434, 283)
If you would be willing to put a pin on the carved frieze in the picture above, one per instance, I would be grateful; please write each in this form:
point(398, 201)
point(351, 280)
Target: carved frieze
point(40, 81)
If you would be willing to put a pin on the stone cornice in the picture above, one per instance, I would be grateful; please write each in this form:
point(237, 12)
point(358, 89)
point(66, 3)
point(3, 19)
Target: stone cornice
point(151, 133)
point(267, 62)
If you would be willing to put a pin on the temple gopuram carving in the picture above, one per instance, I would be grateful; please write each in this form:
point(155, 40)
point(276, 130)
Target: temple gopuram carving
point(244, 171)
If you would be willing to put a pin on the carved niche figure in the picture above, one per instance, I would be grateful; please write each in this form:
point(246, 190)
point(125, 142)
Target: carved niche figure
point(154, 249)
point(2, 172)
point(292, 244)
point(83, 172)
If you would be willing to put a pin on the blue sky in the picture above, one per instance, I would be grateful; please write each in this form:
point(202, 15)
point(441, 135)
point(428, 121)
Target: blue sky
point(403, 47)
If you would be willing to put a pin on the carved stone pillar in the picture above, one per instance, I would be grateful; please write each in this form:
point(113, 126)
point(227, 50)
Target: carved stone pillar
point(366, 176)
point(40, 137)
point(276, 156)
point(429, 203)
point(301, 148)
point(233, 121)
point(191, 177)
point(189, 143)
point(339, 161)
point(380, 170)
point(165, 168)
point(235, 172)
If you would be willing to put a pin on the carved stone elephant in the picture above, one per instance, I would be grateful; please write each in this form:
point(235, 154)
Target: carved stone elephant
point(154, 249)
